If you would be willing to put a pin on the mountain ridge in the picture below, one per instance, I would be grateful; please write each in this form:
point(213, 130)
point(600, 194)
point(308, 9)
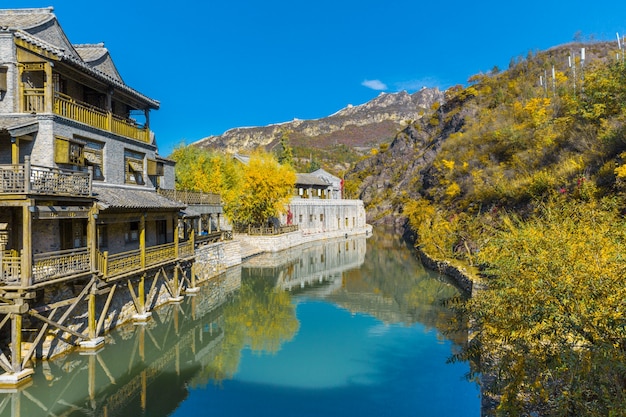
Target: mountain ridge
point(357, 126)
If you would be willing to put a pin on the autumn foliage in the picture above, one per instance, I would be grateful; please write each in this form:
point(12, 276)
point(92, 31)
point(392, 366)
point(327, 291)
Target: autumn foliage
point(531, 191)
point(251, 193)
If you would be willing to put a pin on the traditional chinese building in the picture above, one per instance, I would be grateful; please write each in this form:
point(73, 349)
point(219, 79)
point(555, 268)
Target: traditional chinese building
point(80, 218)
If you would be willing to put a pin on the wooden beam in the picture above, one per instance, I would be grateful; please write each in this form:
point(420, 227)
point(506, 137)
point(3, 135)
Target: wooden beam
point(41, 333)
point(57, 325)
point(105, 310)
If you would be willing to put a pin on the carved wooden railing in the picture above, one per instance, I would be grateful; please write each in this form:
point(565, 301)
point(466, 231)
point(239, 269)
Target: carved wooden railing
point(27, 179)
point(11, 267)
point(158, 254)
point(112, 265)
point(120, 263)
point(48, 266)
point(66, 263)
point(35, 102)
point(190, 197)
point(186, 249)
point(268, 231)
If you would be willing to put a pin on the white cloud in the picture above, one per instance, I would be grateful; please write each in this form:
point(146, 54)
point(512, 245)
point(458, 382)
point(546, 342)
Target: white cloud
point(374, 84)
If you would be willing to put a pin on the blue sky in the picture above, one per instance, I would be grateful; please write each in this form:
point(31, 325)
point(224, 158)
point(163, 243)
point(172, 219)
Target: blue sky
point(216, 65)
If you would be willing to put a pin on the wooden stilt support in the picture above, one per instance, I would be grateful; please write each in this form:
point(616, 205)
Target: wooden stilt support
point(94, 343)
point(193, 289)
point(18, 375)
point(140, 301)
point(176, 297)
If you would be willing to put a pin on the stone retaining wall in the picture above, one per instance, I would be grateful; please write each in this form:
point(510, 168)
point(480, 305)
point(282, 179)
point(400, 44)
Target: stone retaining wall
point(277, 243)
point(213, 259)
point(458, 274)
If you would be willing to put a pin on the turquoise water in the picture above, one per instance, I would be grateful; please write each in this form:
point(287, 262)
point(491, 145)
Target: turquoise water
point(352, 327)
point(340, 364)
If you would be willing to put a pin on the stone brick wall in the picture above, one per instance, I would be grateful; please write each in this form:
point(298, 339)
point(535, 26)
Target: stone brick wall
point(213, 259)
point(8, 103)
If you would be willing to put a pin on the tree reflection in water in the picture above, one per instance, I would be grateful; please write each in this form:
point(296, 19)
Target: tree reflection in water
point(261, 317)
point(151, 369)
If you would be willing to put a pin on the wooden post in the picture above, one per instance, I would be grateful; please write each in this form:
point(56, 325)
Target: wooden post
point(92, 312)
point(105, 263)
point(142, 240)
point(16, 342)
point(27, 174)
point(15, 151)
point(142, 294)
point(27, 249)
point(48, 88)
point(92, 236)
point(176, 238)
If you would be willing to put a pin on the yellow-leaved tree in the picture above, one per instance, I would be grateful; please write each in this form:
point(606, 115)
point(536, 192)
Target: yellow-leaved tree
point(262, 191)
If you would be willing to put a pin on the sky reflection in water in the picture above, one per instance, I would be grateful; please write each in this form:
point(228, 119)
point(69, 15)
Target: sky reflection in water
point(331, 329)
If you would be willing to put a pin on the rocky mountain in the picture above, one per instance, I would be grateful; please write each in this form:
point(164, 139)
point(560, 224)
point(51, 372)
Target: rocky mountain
point(359, 127)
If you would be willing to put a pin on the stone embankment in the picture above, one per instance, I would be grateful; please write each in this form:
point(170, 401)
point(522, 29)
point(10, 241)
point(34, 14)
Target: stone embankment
point(255, 245)
point(458, 274)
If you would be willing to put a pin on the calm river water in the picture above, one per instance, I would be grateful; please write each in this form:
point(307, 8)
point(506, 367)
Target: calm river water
point(351, 327)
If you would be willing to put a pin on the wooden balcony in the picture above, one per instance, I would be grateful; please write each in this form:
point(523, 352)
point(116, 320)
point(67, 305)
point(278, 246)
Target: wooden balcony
point(35, 102)
point(66, 264)
point(47, 266)
point(190, 197)
point(30, 179)
point(54, 265)
point(114, 265)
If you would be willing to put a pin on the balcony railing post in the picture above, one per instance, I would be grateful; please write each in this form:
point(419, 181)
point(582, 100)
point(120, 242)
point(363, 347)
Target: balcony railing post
point(142, 240)
point(105, 264)
point(27, 174)
point(176, 246)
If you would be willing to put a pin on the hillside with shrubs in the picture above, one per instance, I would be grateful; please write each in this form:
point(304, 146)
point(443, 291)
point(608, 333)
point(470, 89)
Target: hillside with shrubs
point(519, 178)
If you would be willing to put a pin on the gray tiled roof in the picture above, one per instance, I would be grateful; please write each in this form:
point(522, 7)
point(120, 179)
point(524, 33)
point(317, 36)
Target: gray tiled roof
point(34, 26)
point(131, 198)
point(97, 56)
point(310, 179)
point(25, 18)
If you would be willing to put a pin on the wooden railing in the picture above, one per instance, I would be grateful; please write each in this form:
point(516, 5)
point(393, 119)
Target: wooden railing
point(120, 263)
point(268, 231)
point(11, 267)
point(48, 266)
point(190, 197)
point(82, 112)
point(35, 102)
point(126, 127)
point(67, 263)
point(158, 254)
point(125, 262)
point(27, 179)
point(186, 249)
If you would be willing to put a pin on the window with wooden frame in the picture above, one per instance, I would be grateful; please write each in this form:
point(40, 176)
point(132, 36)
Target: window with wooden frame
point(93, 154)
point(132, 233)
point(133, 165)
point(69, 151)
point(155, 168)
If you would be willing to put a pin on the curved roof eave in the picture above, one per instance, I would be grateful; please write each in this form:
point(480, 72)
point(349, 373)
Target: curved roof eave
point(78, 63)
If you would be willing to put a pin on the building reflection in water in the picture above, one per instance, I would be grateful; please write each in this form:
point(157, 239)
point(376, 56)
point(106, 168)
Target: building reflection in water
point(147, 369)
